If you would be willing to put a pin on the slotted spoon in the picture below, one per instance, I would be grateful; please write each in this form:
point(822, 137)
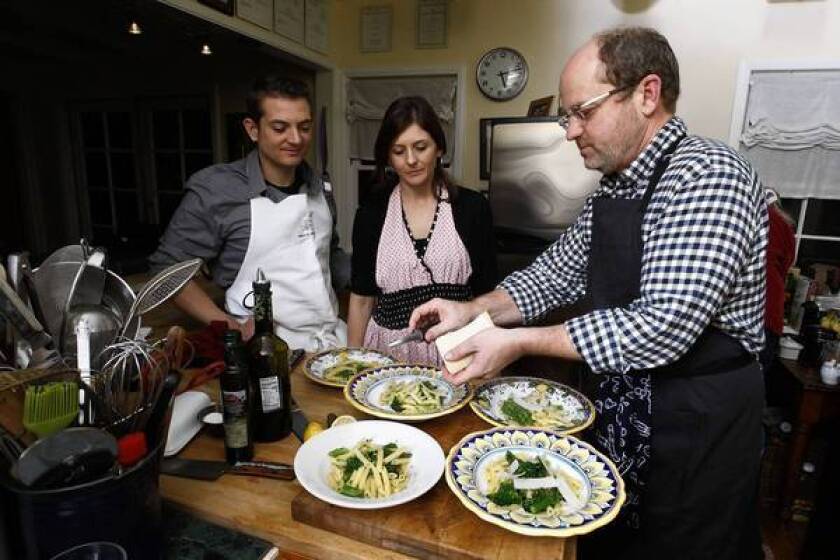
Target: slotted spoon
point(160, 288)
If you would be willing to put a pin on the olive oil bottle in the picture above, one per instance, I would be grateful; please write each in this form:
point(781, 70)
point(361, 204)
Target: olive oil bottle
point(236, 400)
point(268, 361)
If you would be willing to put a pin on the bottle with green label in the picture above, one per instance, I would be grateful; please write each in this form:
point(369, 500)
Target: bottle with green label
point(236, 400)
point(268, 361)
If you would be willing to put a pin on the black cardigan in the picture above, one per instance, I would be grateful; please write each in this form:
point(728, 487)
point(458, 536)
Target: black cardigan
point(473, 222)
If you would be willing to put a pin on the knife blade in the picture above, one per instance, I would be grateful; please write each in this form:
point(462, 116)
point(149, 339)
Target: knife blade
point(299, 421)
point(414, 336)
point(211, 470)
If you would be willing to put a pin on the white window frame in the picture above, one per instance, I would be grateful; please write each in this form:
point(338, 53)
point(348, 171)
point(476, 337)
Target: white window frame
point(739, 114)
point(352, 185)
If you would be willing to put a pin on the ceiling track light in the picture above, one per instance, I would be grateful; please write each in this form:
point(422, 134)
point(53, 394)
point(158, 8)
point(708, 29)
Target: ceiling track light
point(134, 28)
point(205, 49)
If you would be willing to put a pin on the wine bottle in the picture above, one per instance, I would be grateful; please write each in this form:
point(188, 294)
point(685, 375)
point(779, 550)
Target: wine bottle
point(236, 400)
point(268, 361)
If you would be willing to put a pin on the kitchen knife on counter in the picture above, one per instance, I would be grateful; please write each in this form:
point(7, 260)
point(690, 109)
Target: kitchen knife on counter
point(212, 470)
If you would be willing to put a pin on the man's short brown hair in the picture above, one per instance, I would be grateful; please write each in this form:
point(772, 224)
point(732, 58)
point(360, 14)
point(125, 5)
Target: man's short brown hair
point(631, 53)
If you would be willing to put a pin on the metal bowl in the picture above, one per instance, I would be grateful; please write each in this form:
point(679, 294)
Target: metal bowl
point(53, 283)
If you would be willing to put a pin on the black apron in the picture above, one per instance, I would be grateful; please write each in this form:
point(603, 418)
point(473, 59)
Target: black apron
point(687, 436)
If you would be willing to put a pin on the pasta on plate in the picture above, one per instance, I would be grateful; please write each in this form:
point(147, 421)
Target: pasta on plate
point(346, 367)
point(516, 482)
point(413, 397)
point(369, 470)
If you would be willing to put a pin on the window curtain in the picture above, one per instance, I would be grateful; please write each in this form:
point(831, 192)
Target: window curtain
point(792, 131)
point(368, 98)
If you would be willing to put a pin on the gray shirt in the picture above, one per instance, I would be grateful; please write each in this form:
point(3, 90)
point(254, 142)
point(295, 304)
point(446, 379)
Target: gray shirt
point(213, 221)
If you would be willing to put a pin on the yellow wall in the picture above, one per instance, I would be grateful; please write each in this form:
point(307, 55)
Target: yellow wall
point(710, 38)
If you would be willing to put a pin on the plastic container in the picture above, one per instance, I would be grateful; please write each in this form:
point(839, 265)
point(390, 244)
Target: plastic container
point(830, 373)
point(789, 349)
point(116, 513)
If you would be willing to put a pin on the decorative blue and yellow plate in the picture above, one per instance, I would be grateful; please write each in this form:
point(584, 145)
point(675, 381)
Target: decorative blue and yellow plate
point(406, 392)
point(336, 366)
point(526, 402)
point(564, 487)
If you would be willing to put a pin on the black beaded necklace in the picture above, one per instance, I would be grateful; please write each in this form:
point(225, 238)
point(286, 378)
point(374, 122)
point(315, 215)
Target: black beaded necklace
point(421, 245)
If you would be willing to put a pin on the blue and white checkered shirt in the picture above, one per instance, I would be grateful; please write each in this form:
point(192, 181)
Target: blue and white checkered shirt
point(703, 262)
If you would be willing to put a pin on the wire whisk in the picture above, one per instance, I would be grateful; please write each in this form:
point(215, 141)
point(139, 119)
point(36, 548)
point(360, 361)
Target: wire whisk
point(129, 382)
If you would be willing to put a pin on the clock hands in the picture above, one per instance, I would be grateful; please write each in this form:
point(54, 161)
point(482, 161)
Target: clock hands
point(503, 77)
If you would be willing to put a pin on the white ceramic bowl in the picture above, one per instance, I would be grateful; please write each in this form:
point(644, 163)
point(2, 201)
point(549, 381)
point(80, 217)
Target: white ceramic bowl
point(312, 462)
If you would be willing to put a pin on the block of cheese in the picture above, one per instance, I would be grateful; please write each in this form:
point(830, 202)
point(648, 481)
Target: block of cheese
point(452, 339)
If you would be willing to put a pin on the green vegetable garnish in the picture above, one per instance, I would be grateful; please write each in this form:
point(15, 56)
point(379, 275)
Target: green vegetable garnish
point(531, 469)
point(506, 495)
point(388, 449)
point(541, 499)
point(396, 405)
point(353, 463)
point(351, 491)
point(517, 413)
point(339, 451)
point(533, 501)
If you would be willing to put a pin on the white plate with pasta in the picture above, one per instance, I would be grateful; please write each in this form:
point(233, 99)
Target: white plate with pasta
point(336, 366)
point(406, 392)
point(533, 402)
point(370, 464)
point(535, 482)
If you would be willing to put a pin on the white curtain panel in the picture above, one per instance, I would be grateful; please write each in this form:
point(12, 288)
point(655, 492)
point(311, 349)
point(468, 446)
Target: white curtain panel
point(792, 131)
point(368, 98)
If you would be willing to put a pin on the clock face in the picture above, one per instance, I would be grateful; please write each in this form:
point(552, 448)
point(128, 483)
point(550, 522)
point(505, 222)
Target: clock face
point(501, 74)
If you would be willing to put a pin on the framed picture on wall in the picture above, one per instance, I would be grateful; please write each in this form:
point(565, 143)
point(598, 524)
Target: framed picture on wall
point(224, 6)
point(431, 24)
point(540, 107)
point(375, 33)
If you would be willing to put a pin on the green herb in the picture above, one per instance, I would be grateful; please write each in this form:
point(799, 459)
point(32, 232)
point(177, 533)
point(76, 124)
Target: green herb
point(531, 469)
point(517, 413)
point(339, 451)
point(541, 499)
point(396, 405)
point(391, 468)
point(388, 449)
point(506, 495)
point(350, 467)
point(351, 491)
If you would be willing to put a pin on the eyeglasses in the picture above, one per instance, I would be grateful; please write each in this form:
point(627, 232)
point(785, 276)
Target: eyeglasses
point(582, 111)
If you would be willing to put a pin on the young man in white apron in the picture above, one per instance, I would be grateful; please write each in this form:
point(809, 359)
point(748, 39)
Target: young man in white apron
point(670, 251)
point(268, 211)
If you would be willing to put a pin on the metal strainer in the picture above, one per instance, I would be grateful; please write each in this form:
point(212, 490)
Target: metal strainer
point(160, 288)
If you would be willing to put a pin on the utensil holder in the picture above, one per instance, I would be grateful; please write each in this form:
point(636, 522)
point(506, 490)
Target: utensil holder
point(124, 510)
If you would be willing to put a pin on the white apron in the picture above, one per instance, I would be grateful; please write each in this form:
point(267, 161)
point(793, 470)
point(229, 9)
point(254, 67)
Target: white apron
point(290, 242)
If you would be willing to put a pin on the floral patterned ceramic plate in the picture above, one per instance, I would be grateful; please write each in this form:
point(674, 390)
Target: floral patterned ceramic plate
point(406, 392)
point(335, 367)
point(532, 402)
point(476, 467)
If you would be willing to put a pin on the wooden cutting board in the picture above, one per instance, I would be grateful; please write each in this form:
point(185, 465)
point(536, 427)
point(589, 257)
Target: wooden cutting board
point(436, 525)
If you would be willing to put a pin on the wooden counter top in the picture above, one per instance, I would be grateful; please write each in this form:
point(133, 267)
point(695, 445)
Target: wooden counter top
point(262, 507)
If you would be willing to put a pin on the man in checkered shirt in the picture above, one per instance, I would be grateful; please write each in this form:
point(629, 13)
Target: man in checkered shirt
point(669, 254)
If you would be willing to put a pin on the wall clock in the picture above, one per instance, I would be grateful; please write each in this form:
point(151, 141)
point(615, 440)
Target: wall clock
point(501, 74)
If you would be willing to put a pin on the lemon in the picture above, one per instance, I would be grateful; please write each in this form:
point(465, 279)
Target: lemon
point(342, 420)
point(312, 429)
